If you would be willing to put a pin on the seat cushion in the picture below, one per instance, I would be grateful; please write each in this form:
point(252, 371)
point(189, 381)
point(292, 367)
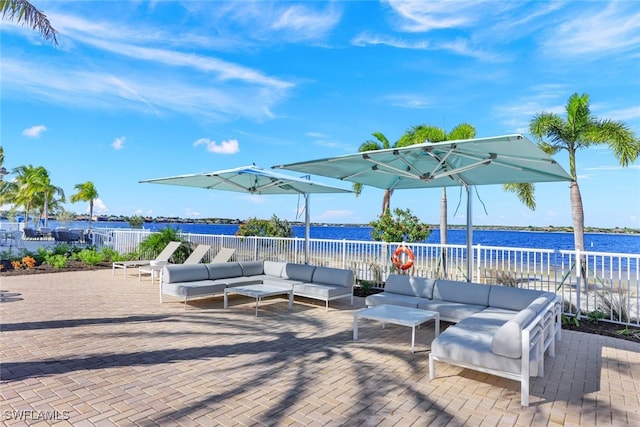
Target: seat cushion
point(474, 347)
point(324, 292)
point(201, 288)
point(452, 311)
point(393, 299)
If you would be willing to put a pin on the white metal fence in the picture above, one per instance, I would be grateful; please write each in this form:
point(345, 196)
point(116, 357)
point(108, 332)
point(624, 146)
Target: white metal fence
point(593, 284)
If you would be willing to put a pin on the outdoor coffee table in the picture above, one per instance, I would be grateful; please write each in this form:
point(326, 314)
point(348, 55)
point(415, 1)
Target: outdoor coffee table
point(258, 292)
point(397, 315)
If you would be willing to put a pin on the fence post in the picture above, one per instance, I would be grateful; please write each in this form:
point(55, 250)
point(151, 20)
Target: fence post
point(344, 253)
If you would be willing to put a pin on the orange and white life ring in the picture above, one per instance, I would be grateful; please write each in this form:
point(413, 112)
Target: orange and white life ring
point(403, 258)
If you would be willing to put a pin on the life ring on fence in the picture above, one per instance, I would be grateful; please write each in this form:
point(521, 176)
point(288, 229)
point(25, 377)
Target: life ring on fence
point(403, 258)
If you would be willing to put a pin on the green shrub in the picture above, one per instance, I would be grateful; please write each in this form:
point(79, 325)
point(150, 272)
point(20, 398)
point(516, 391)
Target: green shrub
point(111, 255)
point(156, 242)
point(90, 257)
point(57, 260)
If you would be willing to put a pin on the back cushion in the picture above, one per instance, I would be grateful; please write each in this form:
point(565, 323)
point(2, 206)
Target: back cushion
point(512, 298)
point(300, 272)
point(333, 276)
point(462, 292)
point(422, 286)
point(184, 273)
point(224, 270)
point(274, 268)
point(409, 285)
point(507, 340)
point(252, 268)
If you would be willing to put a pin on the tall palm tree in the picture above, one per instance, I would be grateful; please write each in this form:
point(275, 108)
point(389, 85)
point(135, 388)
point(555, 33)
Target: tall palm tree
point(86, 192)
point(582, 130)
point(371, 145)
point(21, 11)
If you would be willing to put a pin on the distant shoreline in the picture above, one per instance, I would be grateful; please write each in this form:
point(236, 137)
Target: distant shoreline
point(231, 221)
point(547, 229)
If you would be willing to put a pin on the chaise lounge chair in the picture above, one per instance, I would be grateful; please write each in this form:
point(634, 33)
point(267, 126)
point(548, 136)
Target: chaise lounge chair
point(164, 256)
point(223, 255)
point(194, 258)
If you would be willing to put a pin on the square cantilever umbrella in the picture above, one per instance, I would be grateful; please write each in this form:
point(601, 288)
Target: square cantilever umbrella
point(482, 161)
point(254, 180)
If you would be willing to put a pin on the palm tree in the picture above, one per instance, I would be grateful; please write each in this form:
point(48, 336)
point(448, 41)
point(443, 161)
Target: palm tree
point(32, 188)
point(86, 192)
point(25, 12)
point(371, 145)
point(582, 130)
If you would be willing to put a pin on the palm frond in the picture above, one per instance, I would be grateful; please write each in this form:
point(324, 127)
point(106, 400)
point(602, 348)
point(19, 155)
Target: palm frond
point(21, 11)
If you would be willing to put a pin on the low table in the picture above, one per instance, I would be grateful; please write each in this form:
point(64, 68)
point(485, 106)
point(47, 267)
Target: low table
point(397, 315)
point(258, 292)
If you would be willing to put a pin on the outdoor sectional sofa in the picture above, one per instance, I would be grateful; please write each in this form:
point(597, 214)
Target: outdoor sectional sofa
point(499, 330)
point(196, 281)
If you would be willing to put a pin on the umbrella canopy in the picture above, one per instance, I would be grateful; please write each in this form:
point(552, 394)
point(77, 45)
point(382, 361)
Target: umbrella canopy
point(253, 180)
point(481, 161)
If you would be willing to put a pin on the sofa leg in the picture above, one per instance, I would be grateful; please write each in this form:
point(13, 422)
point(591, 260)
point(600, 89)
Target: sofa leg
point(432, 368)
point(524, 390)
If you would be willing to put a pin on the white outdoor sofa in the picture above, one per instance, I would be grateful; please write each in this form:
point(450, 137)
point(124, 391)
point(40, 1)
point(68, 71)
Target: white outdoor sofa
point(499, 330)
point(189, 282)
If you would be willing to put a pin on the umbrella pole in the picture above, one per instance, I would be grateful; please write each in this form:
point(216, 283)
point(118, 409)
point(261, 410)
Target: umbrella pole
point(469, 234)
point(306, 228)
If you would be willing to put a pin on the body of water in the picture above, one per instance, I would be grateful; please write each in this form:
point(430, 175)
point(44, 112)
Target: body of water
point(597, 242)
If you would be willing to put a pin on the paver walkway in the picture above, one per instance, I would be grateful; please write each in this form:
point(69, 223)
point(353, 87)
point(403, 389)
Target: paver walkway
point(88, 348)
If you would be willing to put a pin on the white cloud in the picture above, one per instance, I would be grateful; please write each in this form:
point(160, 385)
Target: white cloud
point(230, 146)
point(333, 214)
point(99, 207)
point(191, 213)
point(118, 143)
point(596, 31)
point(34, 131)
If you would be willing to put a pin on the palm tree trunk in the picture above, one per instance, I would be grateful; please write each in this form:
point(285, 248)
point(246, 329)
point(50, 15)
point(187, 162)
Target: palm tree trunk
point(443, 230)
point(577, 214)
point(386, 201)
point(90, 212)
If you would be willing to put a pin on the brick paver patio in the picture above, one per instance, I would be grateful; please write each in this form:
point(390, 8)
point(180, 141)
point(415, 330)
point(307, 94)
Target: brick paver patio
point(88, 348)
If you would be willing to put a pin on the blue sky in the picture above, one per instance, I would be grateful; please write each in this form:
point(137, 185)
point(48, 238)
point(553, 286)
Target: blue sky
point(139, 90)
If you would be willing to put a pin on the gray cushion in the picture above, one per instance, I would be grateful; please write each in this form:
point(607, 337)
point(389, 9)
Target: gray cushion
point(184, 273)
point(462, 292)
point(541, 302)
point(398, 284)
point(511, 298)
point(324, 292)
point(409, 285)
point(201, 288)
point(252, 268)
point(274, 268)
point(301, 272)
point(223, 270)
point(507, 340)
point(474, 347)
point(452, 311)
point(333, 276)
point(393, 299)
